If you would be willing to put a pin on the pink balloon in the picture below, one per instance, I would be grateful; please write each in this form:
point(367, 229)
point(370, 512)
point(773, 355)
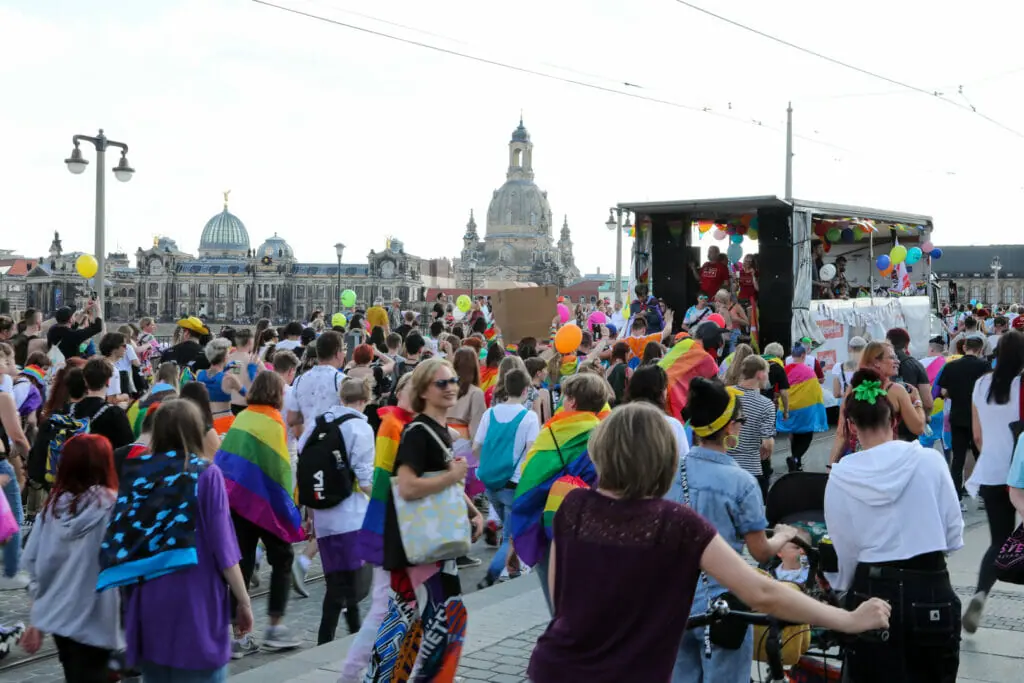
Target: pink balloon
point(597, 318)
point(717, 319)
point(927, 247)
point(563, 313)
point(719, 234)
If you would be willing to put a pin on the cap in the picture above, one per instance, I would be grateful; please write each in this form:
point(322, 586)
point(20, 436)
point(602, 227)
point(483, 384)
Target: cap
point(1018, 323)
point(63, 315)
point(857, 343)
point(708, 333)
point(612, 330)
point(193, 324)
point(308, 335)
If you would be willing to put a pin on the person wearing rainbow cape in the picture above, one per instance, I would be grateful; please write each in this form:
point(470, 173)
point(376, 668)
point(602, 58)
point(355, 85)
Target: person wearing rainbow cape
point(556, 463)
point(806, 408)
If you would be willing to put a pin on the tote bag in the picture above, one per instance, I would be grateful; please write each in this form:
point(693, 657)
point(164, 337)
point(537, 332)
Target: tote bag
point(435, 527)
point(8, 524)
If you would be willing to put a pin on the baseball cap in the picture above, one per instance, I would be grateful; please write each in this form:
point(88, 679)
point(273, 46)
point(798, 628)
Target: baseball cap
point(857, 342)
point(1018, 323)
point(63, 315)
point(708, 333)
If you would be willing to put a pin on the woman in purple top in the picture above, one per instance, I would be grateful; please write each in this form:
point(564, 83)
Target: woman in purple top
point(178, 626)
point(642, 555)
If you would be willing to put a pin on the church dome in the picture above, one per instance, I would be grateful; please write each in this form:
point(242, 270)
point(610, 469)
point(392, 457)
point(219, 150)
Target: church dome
point(224, 234)
point(518, 207)
point(275, 247)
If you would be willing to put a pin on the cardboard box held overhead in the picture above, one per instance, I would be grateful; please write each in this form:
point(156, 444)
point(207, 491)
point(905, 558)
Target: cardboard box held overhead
point(525, 312)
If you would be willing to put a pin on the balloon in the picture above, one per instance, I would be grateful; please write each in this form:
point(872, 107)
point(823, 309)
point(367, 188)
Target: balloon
point(718, 234)
point(820, 229)
point(898, 254)
point(563, 315)
point(734, 252)
point(936, 253)
point(827, 272)
point(847, 235)
point(705, 226)
point(597, 318)
point(464, 303)
point(86, 265)
point(827, 247)
point(882, 262)
point(752, 234)
point(980, 306)
point(913, 255)
point(834, 235)
point(339, 320)
point(348, 298)
point(888, 271)
point(716, 319)
point(927, 247)
point(568, 339)
point(974, 301)
point(736, 239)
point(755, 224)
point(742, 230)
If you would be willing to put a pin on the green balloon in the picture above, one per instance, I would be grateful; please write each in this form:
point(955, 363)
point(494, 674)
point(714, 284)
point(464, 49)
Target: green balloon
point(834, 235)
point(348, 298)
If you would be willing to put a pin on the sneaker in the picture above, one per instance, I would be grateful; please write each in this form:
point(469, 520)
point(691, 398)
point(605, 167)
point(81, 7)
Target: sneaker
point(246, 645)
point(491, 537)
point(487, 582)
point(13, 583)
point(299, 577)
point(465, 562)
point(280, 638)
point(9, 637)
point(254, 582)
point(972, 615)
point(963, 506)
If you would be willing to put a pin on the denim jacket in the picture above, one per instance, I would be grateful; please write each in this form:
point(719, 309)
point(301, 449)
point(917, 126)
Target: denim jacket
point(725, 495)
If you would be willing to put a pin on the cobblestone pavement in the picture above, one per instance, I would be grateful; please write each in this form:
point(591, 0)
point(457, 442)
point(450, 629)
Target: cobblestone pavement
point(504, 662)
point(303, 617)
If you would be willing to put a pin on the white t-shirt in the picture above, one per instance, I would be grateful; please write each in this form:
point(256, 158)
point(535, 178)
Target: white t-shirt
point(526, 433)
point(347, 516)
point(125, 363)
point(313, 394)
point(844, 377)
point(996, 439)
point(289, 344)
point(680, 433)
point(114, 385)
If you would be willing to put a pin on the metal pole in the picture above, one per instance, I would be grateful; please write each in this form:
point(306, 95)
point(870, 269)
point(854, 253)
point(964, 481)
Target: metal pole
point(101, 209)
point(871, 265)
point(339, 283)
point(789, 152)
point(618, 258)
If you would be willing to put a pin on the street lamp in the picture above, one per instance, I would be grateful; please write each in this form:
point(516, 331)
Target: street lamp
point(123, 172)
point(339, 249)
point(614, 222)
point(995, 266)
point(472, 276)
point(3, 292)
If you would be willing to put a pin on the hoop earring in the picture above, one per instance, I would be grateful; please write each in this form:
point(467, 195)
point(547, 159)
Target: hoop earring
point(731, 442)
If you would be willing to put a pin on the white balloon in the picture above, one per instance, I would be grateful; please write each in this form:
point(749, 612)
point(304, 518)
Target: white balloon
point(827, 272)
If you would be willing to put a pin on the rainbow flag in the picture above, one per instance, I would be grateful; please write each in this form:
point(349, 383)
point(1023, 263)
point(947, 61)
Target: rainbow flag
point(258, 472)
point(806, 402)
point(560, 449)
point(488, 378)
point(138, 410)
point(570, 364)
point(686, 360)
point(933, 365)
point(559, 490)
point(36, 373)
point(392, 421)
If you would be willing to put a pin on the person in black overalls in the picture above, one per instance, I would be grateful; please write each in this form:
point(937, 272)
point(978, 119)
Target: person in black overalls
point(893, 515)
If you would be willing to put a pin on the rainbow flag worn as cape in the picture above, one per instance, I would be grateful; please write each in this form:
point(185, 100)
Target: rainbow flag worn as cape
point(806, 402)
point(138, 410)
point(686, 360)
point(560, 449)
point(36, 373)
point(488, 377)
point(392, 421)
point(570, 364)
point(258, 472)
point(933, 366)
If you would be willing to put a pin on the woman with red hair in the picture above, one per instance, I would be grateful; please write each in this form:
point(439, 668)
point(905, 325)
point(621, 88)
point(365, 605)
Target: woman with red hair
point(62, 561)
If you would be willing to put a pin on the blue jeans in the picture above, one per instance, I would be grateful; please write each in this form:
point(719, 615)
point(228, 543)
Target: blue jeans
point(157, 673)
point(12, 549)
point(501, 500)
point(541, 570)
point(725, 666)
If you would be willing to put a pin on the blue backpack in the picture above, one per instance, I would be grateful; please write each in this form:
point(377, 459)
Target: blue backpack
point(65, 427)
point(498, 461)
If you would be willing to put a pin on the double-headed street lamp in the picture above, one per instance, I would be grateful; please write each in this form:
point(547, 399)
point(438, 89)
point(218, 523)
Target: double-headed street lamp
point(615, 216)
point(123, 172)
point(339, 249)
point(995, 267)
point(472, 275)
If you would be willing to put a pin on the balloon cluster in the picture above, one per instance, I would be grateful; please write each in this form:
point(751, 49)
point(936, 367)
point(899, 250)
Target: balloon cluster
point(846, 232)
point(900, 254)
point(735, 230)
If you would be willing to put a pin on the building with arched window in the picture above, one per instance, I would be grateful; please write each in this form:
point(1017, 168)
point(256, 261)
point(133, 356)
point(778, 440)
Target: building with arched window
point(992, 275)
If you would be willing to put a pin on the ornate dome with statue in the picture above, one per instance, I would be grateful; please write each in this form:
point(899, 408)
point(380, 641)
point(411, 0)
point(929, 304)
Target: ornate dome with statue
point(518, 244)
point(224, 236)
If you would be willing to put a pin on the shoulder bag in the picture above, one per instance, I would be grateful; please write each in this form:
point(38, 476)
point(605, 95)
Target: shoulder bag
point(435, 527)
point(1009, 562)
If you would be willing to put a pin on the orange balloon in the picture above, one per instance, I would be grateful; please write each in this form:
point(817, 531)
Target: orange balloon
point(887, 272)
point(568, 339)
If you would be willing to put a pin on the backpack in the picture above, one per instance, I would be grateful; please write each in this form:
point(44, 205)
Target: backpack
point(64, 427)
point(324, 474)
point(498, 461)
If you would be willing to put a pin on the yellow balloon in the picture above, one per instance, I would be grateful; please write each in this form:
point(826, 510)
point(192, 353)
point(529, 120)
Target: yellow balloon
point(86, 265)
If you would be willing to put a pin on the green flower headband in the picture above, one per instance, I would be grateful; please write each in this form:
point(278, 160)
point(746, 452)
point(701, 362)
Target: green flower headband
point(869, 391)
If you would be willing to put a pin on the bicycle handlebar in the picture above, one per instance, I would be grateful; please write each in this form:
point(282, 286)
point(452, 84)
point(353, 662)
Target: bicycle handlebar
point(720, 610)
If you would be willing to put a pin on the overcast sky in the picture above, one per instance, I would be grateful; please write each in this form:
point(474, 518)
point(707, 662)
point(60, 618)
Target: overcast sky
point(326, 134)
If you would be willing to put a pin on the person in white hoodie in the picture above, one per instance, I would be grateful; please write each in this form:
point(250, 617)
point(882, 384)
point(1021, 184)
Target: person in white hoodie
point(62, 561)
point(893, 514)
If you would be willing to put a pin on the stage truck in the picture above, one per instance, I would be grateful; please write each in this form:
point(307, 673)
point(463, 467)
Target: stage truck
point(844, 294)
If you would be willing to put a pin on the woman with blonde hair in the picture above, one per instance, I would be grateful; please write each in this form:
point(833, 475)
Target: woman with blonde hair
point(425, 448)
point(637, 538)
point(220, 382)
point(731, 364)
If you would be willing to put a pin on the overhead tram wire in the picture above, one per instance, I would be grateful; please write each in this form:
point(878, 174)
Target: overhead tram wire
point(846, 65)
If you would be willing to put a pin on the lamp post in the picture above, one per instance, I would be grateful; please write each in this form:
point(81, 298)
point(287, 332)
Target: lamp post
point(339, 249)
point(472, 276)
point(615, 216)
point(3, 292)
point(995, 266)
point(76, 163)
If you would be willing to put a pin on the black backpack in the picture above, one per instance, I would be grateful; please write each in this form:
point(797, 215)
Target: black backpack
point(324, 474)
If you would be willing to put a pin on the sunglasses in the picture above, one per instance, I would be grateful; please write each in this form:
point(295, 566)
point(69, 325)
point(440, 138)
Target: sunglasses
point(702, 298)
point(445, 383)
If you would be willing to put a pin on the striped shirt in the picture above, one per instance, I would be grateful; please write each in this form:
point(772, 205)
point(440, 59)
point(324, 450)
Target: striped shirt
point(759, 424)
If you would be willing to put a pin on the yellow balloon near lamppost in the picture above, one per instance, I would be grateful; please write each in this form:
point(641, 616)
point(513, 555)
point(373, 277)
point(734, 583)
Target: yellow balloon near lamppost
point(86, 265)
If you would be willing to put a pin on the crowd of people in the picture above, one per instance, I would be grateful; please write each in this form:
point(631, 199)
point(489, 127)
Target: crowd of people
point(154, 480)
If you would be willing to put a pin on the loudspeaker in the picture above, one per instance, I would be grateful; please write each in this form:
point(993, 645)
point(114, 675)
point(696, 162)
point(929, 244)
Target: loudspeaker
point(671, 256)
point(775, 259)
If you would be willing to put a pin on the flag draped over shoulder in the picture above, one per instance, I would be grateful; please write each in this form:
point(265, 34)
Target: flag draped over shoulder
point(258, 472)
point(686, 360)
point(560, 449)
point(392, 421)
point(806, 402)
point(488, 378)
point(139, 409)
point(933, 365)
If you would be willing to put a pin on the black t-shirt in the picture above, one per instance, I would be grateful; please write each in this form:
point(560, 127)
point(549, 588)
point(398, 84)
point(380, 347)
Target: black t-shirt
point(777, 381)
point(420, 451)
point(958, 379)
point(187, 354)
point(403, 330)
point(113, 423)
point(911, 370)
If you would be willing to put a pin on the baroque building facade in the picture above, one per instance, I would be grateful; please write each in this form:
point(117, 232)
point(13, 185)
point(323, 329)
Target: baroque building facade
point(518, 245)
point(229, 280)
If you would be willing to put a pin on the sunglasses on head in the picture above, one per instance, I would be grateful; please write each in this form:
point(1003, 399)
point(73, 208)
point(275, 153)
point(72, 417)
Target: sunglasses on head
point(445, 383)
